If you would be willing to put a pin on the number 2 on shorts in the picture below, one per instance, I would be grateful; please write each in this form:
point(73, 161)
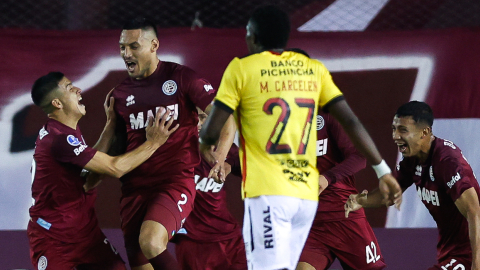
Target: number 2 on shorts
point(273, 146)
point(182, 202)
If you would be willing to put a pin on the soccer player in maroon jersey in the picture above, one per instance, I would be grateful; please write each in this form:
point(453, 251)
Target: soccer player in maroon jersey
point(353, 242)
point(158, 195)
point(444, 181)
point(211, 238)
point(63, 230)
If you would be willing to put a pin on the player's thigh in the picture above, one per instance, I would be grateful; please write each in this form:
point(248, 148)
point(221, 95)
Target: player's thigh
point(267, 231)
point(234, 250)
point(354, 243)
point(301, 224)
point(100, 254)
point(193, 255)
point(315, 255)
point(454, 263)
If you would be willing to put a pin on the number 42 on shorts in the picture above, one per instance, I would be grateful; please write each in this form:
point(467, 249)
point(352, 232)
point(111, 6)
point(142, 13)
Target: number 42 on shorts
point(371, 252)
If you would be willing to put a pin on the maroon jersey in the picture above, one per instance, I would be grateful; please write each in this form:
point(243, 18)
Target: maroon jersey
point(338, 161)
point(210, 219)
point(181, 90)
point(61, 208)
point(440, 181)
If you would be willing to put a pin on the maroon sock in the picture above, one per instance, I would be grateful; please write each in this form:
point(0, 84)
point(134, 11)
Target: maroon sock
point(164, 261)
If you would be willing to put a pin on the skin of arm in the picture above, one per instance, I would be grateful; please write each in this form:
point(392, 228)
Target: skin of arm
point(388, 185)
point(104, 141)
point(468, 205)
point(157, 133)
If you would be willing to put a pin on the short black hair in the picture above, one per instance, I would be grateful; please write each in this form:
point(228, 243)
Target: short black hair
point(44, 86)
point(140, 23)
point(419, 111)
point(271, 26)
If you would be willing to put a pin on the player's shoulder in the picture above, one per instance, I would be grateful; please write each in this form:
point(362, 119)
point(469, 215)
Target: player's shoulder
point(445, 150)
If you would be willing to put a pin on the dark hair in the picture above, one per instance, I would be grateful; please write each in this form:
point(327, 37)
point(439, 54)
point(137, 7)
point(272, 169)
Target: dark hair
point(271, 26)
point(44, 86)
point(419, 111)
point(140, 23)
point(297, 50)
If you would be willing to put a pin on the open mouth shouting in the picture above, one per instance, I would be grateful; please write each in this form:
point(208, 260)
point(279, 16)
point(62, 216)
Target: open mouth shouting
point(130, 66)
point(402, 147)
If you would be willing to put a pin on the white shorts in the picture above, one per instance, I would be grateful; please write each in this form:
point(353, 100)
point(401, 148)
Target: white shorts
point(275, 229)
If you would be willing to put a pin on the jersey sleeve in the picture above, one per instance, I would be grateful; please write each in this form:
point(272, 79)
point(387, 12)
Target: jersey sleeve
point(228, 92)
point(353, 161)
point(455, 175)
point(234, 160)
point(199, 90)
point(403, 175)
point(69, 149)
point(329, 90)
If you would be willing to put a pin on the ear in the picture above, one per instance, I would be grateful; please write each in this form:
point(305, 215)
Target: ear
point(57, 103)
point(155, 45)
point(426, 132)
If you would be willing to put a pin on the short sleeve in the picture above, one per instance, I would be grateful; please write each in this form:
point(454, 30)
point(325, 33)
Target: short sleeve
point(457, 176)
point(229, 90)
point(72, 150)
point(329, 90)
point(199, 90)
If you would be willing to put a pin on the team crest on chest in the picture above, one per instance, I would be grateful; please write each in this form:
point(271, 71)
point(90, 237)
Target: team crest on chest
point(169, 87)
point(320, 122)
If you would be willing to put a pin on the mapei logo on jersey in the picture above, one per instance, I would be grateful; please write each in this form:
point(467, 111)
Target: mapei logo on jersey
point(207, 184)
point(322, 147)
point(169, 87)
point(429, 196)
point(320, 122)
point(42, 133)
point(130, 100)
point(454, 180)
point(140, 121)
point(418, 170)
point(73, 141)
point(208, 87)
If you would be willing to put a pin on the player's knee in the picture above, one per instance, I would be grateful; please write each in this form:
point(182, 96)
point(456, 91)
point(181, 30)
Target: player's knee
point(152, 246)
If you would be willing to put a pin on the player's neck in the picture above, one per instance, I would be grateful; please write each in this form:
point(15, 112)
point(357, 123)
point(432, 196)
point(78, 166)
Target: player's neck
point(425, 149)
point(67, 120)
point(153, 67)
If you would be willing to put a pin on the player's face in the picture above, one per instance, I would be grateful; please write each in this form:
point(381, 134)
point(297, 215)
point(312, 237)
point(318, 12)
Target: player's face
point(201, 120)
point(138, 50)
point(407, 135)
point(70, 97)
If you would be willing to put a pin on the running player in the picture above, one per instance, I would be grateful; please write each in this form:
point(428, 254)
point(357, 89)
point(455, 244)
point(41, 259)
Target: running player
point(158, 196)
point(275, 94)
point(353, 243)
point(211, 238)
point(444, 181)
point(63, 230)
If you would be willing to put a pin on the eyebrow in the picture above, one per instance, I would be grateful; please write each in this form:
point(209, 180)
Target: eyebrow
point(133, 43)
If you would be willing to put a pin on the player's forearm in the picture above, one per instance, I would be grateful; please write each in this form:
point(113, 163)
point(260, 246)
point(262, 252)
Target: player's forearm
point(227, 135)
point(352, 164)
point(106, 138)
point(125, 163)
point(213, 126)
point(474, 234)
point(374, 200)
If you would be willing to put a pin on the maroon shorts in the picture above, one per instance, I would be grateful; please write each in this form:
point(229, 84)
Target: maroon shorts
point(169, 205)
point(352, 241)
point(222, 255)
point(94, 253)
point(454, 263)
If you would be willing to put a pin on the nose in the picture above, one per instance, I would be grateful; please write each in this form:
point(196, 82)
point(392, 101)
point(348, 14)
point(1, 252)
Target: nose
point(127, 53)
point(78, 90)
point(395, 135)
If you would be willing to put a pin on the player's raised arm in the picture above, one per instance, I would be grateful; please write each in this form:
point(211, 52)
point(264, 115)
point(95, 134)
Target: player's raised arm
point(157, 134)
point(388, 186)
point(468, 205)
